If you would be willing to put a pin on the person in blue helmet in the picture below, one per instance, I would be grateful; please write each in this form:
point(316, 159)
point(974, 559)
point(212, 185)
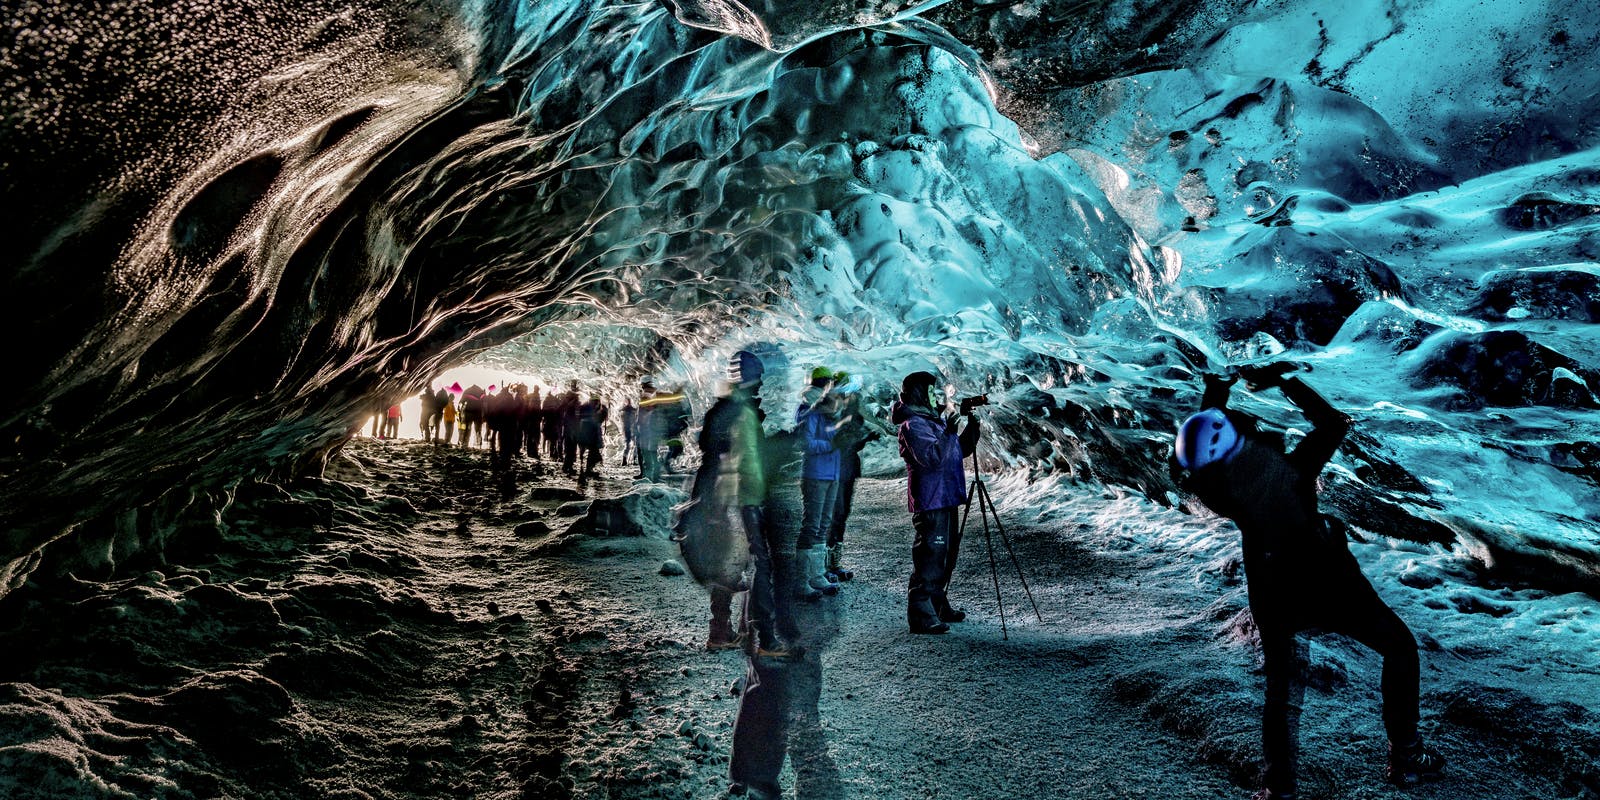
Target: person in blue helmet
point(1300, 573)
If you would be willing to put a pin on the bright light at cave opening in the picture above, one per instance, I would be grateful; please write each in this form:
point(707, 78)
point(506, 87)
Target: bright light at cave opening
point(411, 406)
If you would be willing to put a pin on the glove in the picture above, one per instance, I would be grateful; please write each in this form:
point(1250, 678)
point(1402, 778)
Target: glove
point(873, 436)
point(950, 425)
point(1264, 376)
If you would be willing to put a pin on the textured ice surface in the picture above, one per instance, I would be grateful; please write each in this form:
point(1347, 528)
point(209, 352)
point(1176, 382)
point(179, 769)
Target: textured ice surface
point(1404, 202)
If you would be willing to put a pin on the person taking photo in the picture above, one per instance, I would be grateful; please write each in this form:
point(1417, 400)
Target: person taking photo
point(936, 487)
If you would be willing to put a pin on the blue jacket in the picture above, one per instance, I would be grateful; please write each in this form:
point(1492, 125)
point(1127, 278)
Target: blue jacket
point(935, 476)
point(822, 458)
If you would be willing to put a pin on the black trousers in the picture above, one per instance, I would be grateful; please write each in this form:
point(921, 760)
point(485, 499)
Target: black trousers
point(761, 730)
point(761, 601)
point(933, 559)
point(842, 501)
point(1352, 608)
point(509, 442)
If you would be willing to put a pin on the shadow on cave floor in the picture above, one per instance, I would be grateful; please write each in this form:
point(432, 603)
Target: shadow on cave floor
point(402, 632)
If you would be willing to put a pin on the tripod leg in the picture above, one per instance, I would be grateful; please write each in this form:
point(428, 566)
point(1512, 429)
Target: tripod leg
point(994, 570)
point(986, 506)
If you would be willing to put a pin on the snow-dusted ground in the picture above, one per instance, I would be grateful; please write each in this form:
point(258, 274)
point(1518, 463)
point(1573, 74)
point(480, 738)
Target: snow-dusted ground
point(407, 633)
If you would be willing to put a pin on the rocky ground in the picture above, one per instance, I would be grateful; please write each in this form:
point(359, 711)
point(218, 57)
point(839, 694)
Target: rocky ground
point(402, 629)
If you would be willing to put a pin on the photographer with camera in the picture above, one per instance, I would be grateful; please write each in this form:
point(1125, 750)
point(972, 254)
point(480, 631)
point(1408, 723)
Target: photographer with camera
point(936, 486)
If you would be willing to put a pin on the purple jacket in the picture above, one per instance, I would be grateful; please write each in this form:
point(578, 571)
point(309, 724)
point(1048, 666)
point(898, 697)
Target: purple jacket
point(935, 477)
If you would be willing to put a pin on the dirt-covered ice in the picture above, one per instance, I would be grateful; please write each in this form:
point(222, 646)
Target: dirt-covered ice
point(399, 630)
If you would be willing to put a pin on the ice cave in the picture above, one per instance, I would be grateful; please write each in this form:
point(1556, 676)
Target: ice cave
point(247, 234)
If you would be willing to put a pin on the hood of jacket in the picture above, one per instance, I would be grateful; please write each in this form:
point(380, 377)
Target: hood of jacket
point(900, 411)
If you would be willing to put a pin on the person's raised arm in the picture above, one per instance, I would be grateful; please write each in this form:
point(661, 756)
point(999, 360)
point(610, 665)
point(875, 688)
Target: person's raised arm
point(1217, 390)
point(1328, 425)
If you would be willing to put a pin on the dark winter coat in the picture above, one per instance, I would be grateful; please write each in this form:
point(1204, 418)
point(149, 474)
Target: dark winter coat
point(1293, 559)
point(935, 477)
point(501, 411)
point(472, 404)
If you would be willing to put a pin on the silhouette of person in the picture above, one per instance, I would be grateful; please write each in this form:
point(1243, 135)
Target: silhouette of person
point(629, 413)
point(778, 716)
point(429, 421)
point(503, 411)
point(471, 414)
point(728, 494)
point(391, 423)
point(568, 407)
point(1299, 570)
point(530, 420)
point(857, 428)
point(591, 417)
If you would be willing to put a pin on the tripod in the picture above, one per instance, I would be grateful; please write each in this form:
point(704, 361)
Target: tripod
point(979, 491)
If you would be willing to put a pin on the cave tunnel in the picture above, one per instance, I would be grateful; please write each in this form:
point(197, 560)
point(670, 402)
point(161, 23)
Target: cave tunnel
point(242, 229)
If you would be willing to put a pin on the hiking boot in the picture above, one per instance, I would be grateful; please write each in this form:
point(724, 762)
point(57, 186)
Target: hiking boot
point(723, 636)
point(1268, 794)
point(1413, 762)
point(813, 565)
point(722, 644)
point(803, 588)
point(780, 651)
point(934, 628)
point(836, 570)
point(949, 614)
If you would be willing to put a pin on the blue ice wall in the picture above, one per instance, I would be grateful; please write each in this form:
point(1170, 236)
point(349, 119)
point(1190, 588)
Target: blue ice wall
point(258, 235)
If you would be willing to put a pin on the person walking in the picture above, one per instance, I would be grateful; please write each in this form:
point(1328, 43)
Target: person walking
point(568, 409)
point(530, 421)
point(470, 415)
point(649, 432)
point(857, 428)
point(1299, 570)
point(429, 421)
point(591, 418)
point(550, 425)
point(504, 408)
point(391, 423)
point(674, 416)
point(629, 418)
point(447, 417)
point(727, 496)
point(936, 486)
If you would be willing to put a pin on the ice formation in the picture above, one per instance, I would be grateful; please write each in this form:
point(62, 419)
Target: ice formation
point(235, 230)
point(230, 247)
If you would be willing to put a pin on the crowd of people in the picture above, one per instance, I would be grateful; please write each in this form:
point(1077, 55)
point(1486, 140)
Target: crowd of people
point(566, 429)
point(1303, 577)
point(770, 504)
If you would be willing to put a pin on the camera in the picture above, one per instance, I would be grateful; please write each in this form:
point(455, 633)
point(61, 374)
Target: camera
point(969, 403)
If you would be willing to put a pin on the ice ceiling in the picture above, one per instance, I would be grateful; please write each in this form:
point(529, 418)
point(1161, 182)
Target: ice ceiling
point(236, 224)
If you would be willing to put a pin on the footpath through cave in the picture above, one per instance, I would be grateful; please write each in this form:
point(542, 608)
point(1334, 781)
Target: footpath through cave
point(399, 629)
